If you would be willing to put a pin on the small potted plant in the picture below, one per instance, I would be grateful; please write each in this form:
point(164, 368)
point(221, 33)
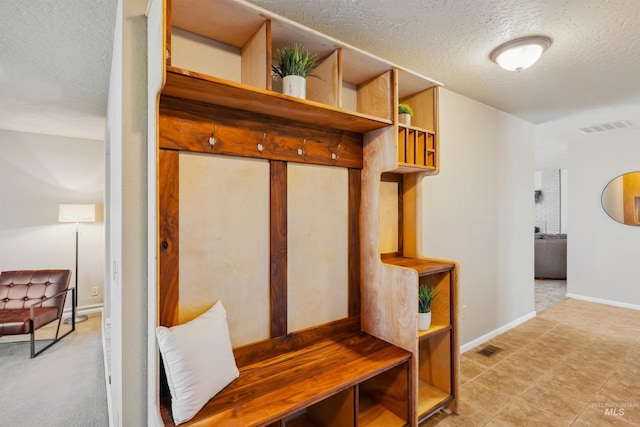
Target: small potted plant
point(404, 114)
point(425, 297)
point(293, 64)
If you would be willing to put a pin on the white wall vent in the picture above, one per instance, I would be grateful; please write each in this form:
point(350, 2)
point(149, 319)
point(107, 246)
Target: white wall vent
point(604, 127)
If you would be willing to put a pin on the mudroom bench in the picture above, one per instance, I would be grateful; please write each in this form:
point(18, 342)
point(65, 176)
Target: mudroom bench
point(331, 375)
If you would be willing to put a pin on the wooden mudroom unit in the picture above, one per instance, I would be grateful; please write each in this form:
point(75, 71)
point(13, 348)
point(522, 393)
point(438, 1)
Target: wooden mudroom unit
point(303, 216)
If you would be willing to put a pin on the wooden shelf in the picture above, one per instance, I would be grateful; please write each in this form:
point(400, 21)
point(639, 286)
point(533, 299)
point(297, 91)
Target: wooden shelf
point(194, 86)
point(422, 266)
point(372, 414)
point(429, 398)
point(412, 168)
point(433, 330)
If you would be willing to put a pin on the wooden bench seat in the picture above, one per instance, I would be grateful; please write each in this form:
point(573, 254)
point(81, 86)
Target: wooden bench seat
point(352, 368)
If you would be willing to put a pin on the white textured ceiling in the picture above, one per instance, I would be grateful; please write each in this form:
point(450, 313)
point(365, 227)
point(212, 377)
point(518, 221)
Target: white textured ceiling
point(55, 55)
point(590, 74)
point(594, 59)
point(55, 60)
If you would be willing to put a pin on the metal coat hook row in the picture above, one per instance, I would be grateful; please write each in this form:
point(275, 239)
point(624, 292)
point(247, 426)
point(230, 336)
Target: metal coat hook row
point(300, 150)
point(260, 145)
point(212, 138)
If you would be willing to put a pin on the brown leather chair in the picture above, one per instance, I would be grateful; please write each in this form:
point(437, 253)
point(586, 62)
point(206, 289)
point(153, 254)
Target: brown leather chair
point(30, 299)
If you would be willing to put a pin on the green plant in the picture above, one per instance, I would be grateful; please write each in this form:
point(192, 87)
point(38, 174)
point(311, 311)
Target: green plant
point(294, 60)
point(425, 297)
point(405, 109)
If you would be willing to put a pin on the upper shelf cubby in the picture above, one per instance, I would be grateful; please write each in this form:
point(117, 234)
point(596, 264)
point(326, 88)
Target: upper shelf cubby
point(421, 97)
point(229, 22)
point(235, 41)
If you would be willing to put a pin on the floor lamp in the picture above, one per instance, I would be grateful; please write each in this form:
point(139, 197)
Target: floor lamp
point(76, 214)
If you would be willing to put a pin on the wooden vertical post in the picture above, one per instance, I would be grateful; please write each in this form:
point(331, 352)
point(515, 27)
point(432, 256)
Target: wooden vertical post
point(278, 248)
point(169, 249)
point(354, 241)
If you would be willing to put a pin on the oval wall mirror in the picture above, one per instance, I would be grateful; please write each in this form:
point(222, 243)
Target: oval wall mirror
point(621, 198)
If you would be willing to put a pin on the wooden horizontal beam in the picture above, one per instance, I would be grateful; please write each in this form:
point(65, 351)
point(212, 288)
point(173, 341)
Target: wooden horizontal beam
point(211, 129)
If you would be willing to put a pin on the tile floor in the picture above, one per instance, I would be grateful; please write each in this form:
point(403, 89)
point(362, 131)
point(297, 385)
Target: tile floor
point(575, 364)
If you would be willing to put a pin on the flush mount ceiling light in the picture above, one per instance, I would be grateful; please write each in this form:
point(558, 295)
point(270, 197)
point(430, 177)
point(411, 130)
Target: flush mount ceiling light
point(518, 54)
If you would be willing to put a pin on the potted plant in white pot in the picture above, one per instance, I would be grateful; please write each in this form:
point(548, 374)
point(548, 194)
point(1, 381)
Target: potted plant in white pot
point(404, 114)
point(293, 64)
point(425, 297)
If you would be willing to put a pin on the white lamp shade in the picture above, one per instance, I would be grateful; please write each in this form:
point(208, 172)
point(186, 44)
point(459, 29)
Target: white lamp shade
point(77, 213)
point(521, 53)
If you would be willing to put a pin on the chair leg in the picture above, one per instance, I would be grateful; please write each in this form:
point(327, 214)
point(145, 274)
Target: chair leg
point(58, 328)
point(32, 331)
point(33, 339)
point(34, 353)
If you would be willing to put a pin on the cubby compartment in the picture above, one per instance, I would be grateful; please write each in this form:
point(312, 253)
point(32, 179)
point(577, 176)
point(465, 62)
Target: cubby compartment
point(374, 96)
point(424, 109)
point(382, 399)
point(336, 410)
point(416, 149)
point(418, 143)
point(234, 45)
point(324, 85)
point(422, 97)
point(434, 373)
point(441, 304)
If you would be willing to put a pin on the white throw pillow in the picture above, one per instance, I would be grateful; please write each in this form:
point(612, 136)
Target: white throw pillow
point(198, 361)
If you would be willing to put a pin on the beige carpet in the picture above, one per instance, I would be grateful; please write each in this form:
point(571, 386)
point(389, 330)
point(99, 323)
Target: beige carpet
point(63, 386)
point(549, 293)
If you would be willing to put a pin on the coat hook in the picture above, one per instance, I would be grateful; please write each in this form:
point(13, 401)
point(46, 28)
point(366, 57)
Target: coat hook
point(334, 155)
point(260, 146)
point(212, 138)
point(300, 151)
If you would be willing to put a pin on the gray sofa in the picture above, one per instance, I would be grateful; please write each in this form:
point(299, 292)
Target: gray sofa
point(550, 256)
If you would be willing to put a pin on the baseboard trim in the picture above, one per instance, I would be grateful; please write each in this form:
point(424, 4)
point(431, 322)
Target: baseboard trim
point(107, 377)
point(604, 301)
point(85, 310)
point(486, 337)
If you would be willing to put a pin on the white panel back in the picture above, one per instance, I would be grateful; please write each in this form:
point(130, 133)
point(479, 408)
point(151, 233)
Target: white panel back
point(318, 245)
point(388, 217)
point(224, 241)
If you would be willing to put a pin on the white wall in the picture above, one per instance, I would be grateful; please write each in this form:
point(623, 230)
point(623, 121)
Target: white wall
point(133, 271)
point(113, 228)
point(479, 211)
point(602, 254)
point(127, 221)
point(37, 173)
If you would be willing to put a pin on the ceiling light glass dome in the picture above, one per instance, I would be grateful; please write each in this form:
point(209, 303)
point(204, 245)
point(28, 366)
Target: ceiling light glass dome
point(518, 54)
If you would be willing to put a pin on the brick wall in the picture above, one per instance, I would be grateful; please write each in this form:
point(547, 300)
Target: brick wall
point(548, 206)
